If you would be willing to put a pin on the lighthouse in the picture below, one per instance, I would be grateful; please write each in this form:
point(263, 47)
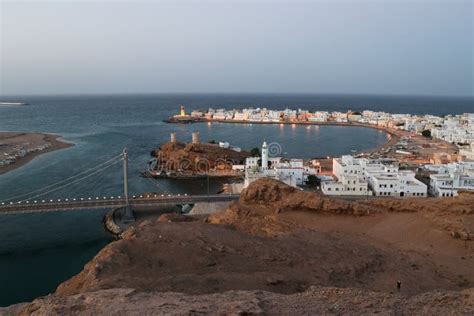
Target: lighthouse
point(264, 155)
point(182, 111)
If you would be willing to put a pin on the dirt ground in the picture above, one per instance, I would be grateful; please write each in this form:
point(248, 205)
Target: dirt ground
point(314, 301)
point(272, 240)
point(281, 240)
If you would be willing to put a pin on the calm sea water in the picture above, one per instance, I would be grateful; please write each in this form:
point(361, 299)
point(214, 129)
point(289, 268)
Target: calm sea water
point(37, 252)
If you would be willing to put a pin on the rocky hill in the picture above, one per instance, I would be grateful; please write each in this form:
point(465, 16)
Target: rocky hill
point(281, 250)
point(178, 156)
point(267, 197)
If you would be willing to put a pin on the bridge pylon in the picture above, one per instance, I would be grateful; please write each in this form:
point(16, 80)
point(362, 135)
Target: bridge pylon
point(128, 212)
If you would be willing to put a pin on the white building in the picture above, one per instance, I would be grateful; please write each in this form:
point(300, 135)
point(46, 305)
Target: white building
point(468, 152)
point(357, 175)
point(291, 172)
point(197, 113)
point(347, 185)
point(400, 184)
point(452, 178)
point(319, 117)
point(220, 114)
point(274, 116)
point(349, 173)
point(239, 116)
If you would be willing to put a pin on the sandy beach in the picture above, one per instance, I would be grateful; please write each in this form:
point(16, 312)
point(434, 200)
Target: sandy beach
point(34, 144)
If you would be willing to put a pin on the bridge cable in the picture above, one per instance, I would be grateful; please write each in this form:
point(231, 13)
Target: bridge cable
point(62, 181)
point(71, 183)
point(158, 185)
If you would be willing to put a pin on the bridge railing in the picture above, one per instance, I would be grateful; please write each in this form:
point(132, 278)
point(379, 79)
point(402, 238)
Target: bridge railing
point(109, 202)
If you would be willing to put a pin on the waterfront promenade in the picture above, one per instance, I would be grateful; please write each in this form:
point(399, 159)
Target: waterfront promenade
point(400, 128)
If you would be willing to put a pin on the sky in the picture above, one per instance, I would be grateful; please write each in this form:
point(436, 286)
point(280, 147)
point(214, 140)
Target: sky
point(353, 47)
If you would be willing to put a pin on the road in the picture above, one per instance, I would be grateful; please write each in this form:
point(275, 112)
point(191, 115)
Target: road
point(85, 204)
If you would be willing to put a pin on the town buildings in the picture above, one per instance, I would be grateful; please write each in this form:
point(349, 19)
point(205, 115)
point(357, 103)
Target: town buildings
point(452, 178)
point(457, 129)
point(360, 176)
point(348, 171)
point(290, 171)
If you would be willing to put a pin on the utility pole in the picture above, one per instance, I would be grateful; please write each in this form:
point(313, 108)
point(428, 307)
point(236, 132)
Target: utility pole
point(128, 210)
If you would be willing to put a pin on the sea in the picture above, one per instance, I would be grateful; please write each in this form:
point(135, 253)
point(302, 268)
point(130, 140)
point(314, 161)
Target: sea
point(39, 251)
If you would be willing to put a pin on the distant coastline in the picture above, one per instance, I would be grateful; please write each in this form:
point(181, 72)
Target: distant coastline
point(13, 139)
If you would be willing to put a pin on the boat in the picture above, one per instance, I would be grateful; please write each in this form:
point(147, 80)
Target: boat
point(14, 103)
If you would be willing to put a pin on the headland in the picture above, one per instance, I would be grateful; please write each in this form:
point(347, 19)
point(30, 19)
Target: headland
point(195, 160)
point(18, 148)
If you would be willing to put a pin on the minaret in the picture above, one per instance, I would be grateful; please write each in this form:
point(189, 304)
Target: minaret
point(264, 155)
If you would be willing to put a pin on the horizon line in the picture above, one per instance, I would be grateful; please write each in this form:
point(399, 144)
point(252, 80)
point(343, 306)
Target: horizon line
point(66, 94)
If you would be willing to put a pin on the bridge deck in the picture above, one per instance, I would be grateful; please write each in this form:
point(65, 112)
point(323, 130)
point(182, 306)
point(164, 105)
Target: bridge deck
point(39, 206)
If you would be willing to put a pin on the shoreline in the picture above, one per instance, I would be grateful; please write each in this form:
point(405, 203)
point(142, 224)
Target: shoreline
point(54, 140)
point(394, 136)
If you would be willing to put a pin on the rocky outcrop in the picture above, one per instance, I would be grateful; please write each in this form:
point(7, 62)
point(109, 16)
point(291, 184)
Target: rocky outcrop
point(313, 301)
point(267, 197)
point(178, 156)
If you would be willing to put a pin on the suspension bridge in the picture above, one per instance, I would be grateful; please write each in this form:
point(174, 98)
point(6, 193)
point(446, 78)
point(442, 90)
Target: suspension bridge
point(36, 201)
